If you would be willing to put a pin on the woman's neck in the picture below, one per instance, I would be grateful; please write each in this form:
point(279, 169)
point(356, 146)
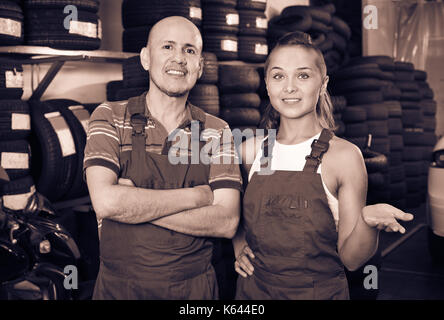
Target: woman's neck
point(293, 131)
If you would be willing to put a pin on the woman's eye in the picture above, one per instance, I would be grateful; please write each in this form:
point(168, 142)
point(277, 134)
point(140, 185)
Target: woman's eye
point(278, 76)
point(304, 76)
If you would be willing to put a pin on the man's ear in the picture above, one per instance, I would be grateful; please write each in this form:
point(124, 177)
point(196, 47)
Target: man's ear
point(145, 58)
point(201, 66)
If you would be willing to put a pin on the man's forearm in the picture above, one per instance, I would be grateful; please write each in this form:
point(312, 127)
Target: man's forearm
point(210, 221)
point(137, 205)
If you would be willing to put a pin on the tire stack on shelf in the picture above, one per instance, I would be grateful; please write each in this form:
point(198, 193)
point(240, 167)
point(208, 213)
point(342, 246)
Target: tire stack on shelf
point(412, 131)
point(135, 79)
point(11, 17)
point(428, 109)
point(253, 26)
point(220, 27)
point(63, 24)
point(239, 101)
point(138, 16)
point(205, 93)
point(57, 142)
point(329, 33)
point(15, 129)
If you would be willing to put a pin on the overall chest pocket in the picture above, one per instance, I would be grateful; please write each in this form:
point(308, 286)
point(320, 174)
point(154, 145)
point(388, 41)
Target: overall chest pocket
point(281, 224)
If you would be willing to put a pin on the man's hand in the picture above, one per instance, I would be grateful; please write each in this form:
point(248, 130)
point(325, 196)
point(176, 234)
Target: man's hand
point(384, 217)
point(204, 194)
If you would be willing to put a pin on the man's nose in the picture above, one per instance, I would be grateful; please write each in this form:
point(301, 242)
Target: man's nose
point(179, 56)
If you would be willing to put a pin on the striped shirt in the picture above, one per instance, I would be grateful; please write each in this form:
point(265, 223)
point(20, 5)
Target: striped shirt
point(110, 131)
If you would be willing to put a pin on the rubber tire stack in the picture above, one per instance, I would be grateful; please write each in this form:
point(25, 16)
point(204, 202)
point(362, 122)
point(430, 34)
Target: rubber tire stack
point(329, 32)
point(57, 142)
point(239, 101)
point(139, 16)
point(46, 24)
point(412, 131)
point(11, 17)
point(15, 128)
point(220, 26)
point(339, 104)
point(429, 139)
point(205, 94)
point(135, 79)
point(252, 31)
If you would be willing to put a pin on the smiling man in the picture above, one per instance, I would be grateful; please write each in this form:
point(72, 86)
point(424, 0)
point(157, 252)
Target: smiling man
point(158, 217)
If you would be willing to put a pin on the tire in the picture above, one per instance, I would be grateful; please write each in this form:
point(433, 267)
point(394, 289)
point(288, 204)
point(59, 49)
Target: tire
point(112, 88)
point(404, 66)
point(238, 79)
point(126, 93)
point(210, 106)
point(252, 23)
point(429, 139)
point(426, 93)
point(318, 26)
point(300, 21)
point(316, 14)
point(429, 124)
point(15, 121)
point(210, 69)
point(241, 116)
point(252, 5)
point(396, 142)
point(54, 157)
point(378, 128)
point(413, 168)
point(376, 111)
point(413, 137)
point(410, 95)
point(412, 153)
point(407, 85)
point(391, 93)
point(374, 161)
point(363, 97)
point(134, 75)
point(395, 126)
point(134, 39)
point(224, 46)
point(240, 100)
point(340, 130)
point(357, 72)
point(12, 34)
point(384, 62)
point(46, 28)
point(396, 174)
point(363, 84)
point(375, 180)
point(395, 158)
point(339, 42)
point(137, 13)
point(253, 49)
point(428, 107)
point(220, 19)
point(394, 108)
point(410, 105)
point(10, 73)
point(88, 5)
point(206, 97)
point(354, 114)
point(356, 130)
point(360, 142)
point(411, 118)
point(420, 75)
point(404, 75)
point(228, 3)
point(341, 27)
point(15, 193)
point(398, 191)
point(77, 118)
point(339, 103)
point(15, 158)
point(381, 145)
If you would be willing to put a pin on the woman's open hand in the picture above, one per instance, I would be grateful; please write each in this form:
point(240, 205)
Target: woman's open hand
point(243, 265)
point(384, 217)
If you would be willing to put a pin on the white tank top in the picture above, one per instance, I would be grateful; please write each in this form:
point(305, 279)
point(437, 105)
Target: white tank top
point(292, 158)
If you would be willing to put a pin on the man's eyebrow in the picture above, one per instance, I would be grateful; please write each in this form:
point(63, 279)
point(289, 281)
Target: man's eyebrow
point(185, 45)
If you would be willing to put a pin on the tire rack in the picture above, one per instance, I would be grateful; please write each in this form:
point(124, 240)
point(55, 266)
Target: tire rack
point(36, 55)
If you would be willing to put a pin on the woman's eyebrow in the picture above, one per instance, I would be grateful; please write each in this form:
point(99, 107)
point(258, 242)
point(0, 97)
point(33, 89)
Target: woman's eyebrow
point(300, 68)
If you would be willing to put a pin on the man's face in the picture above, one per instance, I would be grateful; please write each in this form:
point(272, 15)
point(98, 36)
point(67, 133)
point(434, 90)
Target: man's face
point(174, 55)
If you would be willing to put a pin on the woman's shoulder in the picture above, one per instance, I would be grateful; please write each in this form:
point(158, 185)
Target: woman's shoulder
point(343, 151)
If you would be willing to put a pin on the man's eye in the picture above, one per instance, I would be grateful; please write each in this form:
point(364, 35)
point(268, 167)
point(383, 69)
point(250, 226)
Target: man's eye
point(167, 46)
point(190, 50)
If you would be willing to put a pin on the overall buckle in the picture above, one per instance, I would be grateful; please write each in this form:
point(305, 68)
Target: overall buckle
point(320, 145)
point(138, 122)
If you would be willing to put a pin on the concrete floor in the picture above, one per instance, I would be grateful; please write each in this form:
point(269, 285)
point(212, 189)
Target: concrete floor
point(407, 270)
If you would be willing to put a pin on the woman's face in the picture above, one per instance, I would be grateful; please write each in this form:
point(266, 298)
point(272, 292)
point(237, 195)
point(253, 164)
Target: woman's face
point(294, 81)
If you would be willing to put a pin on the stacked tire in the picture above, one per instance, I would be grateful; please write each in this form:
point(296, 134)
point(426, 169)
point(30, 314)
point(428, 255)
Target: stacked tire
point(429, 139)
point(11, 18)
point(412, 131)
point(252, 34)
point(63, 24)
point(138, 16)
point(205, 93)
point(329, 32)
point(57, 142)
point(239, 101)
point(220, 28)
point(339, 104)
point(135, 80)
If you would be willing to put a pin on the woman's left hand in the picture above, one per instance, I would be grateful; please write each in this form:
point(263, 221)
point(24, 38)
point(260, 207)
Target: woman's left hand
point(384, 217)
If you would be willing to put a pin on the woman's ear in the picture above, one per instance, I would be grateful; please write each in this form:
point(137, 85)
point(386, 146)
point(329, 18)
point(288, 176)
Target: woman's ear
point(324, 85)
point(145, 58)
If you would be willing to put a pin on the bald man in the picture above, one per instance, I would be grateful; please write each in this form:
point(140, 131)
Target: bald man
point(158, 217)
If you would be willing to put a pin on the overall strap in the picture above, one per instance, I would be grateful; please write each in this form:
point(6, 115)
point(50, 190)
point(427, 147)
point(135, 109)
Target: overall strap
point(138, 120)
point(267, 151)
point(318, 148)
